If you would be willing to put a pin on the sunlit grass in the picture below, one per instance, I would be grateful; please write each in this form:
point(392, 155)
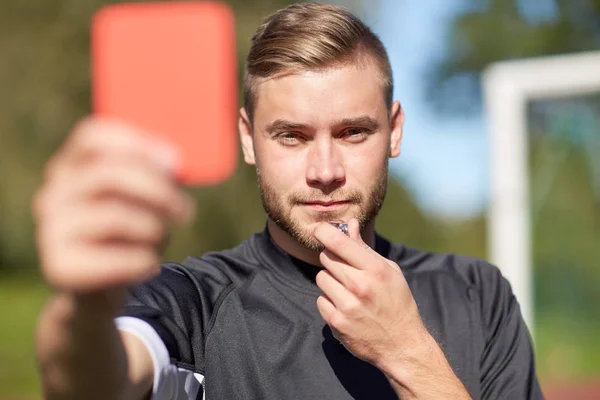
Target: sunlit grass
point(568, 348)
point(20, 302)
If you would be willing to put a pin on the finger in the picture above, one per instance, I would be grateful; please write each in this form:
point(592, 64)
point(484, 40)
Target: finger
point(95, 137)
point(354, 233)
point(87, 267)
point(345, 247)
point(354, 229)
point(339, 269)
point(326, 308)
point(125, 180)
point(333, 289)
point(357, 282)
point(110, 220)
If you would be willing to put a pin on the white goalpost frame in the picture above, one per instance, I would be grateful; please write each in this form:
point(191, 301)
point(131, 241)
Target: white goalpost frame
point(508, 86)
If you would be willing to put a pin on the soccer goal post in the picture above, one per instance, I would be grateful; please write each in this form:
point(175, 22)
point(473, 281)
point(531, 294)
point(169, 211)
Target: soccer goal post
point(508, 87)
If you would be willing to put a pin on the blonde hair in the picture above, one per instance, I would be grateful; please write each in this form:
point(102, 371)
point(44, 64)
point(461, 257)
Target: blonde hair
point(309, 37)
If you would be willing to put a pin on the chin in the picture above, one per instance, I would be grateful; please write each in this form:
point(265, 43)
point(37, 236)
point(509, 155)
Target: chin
point(311, 222)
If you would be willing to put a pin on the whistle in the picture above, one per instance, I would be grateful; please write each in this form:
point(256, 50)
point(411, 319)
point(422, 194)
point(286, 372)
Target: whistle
point(342, 226)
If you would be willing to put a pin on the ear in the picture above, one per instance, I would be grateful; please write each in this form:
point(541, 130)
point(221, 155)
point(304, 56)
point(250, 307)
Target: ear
point(245, 128)
point(397, 124)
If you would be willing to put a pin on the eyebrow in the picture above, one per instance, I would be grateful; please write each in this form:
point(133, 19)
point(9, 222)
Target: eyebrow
point(284, 125)
point(363, 121)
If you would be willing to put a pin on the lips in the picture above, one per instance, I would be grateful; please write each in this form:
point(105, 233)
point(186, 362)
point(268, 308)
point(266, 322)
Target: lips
point(326, 205)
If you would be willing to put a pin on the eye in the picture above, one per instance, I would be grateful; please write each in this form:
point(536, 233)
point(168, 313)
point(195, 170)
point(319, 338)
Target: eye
point(355, 134)
point(289, 138)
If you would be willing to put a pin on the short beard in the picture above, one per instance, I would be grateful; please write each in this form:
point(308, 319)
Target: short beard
point(276, 209)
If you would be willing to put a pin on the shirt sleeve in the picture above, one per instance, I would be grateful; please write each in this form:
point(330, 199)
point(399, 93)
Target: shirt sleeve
point(508, 362)
point(170, 382)
point(170, 315)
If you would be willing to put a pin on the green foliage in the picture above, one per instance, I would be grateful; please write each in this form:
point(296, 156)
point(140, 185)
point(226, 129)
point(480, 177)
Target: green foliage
point(501, 31)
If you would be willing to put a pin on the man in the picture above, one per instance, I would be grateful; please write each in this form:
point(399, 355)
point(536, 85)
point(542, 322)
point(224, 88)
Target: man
point(300, 310)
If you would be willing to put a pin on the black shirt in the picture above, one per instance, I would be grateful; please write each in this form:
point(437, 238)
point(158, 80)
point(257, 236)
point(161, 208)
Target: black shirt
point(246, 320)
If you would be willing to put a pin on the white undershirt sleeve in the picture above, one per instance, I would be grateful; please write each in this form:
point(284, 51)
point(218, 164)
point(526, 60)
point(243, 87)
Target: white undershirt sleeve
point(170, 382)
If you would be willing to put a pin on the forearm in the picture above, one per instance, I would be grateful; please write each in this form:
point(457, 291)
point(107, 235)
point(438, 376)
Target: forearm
point(82, 355)
point(423, 372)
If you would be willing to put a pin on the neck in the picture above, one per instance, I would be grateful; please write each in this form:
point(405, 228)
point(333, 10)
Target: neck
point(295, 249)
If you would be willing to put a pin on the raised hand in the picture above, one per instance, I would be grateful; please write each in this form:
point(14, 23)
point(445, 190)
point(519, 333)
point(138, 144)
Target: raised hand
point(366, 300)
point(103, 210)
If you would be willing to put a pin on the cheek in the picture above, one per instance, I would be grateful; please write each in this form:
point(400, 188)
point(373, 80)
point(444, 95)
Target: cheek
point(280, 168)
point(366, 163)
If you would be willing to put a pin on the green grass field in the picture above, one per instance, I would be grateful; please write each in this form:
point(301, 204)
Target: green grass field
point(20, 302)
point(567, 349)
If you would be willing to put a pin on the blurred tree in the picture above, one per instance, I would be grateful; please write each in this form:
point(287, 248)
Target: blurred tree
point(509, 29)
point(501, 30)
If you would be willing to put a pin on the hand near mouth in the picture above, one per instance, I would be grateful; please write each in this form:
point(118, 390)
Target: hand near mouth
point(369, 307)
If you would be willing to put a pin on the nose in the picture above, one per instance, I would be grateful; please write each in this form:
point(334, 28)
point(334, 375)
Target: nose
point(325, 164)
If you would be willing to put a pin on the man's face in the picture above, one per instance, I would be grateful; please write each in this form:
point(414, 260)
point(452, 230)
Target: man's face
point(321, 142)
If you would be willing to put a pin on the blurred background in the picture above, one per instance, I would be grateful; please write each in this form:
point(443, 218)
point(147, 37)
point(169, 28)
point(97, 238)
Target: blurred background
point(438, 193)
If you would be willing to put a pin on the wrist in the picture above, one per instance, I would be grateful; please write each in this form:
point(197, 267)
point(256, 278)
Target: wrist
point(422, 371)
point(416, 355)
point(77, 343)
point(101, 304)
point(68, 317)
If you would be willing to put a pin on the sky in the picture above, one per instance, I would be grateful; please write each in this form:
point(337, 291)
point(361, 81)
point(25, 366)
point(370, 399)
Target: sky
point(443, 160)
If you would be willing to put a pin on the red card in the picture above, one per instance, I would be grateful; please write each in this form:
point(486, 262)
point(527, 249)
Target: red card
point(170, 69)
